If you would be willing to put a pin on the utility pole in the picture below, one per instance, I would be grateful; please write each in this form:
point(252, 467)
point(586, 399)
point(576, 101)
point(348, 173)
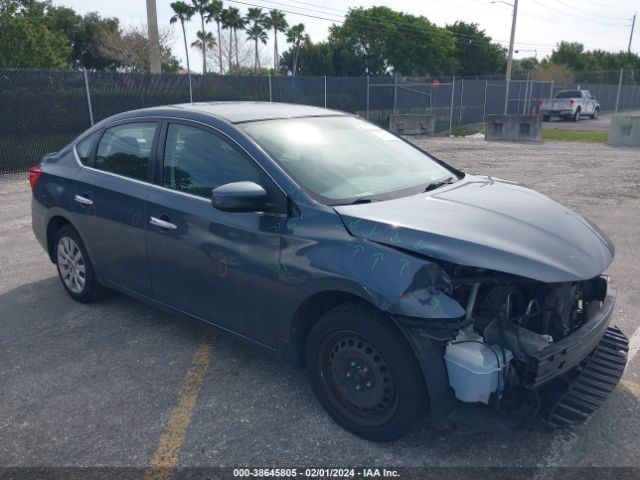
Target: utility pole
point(511, 44)
point(155, 60)
point(633, 26)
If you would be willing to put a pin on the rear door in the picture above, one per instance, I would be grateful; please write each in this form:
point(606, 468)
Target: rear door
point(109, 202)
point(219, 266)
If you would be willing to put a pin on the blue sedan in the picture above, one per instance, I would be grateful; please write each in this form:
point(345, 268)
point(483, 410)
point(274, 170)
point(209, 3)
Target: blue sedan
point(406, 287)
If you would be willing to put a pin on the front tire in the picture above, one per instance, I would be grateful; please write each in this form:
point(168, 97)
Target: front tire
point(74, 267)
point(596, 113)
point(364, 373)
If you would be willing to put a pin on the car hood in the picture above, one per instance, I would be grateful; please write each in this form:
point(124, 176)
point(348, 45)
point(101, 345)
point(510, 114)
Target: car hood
point(488, 223)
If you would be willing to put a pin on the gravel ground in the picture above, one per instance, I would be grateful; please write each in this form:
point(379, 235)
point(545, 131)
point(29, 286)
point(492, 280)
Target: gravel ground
point(94, 385)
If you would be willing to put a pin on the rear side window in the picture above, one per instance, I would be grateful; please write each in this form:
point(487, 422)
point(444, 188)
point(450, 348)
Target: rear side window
point(85, 148)
point(197, 161)
point(126, 149)
point(569, 94)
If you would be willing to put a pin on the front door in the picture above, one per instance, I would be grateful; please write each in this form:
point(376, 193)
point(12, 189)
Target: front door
point(219, 266)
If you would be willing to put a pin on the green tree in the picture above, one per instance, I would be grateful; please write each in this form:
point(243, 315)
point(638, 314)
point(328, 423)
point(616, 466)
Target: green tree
point(313, 59)
point(131, 49)
point(389, 41)
point(277, 22)
point(85, 34)
point(570, 54)
point(214, 14)
point(183, 13)
point(475, 52)
point(256, 32)
point(200, 7)
point(232, 20)
point(205, 38)
point(26, 41)
point(297, 37)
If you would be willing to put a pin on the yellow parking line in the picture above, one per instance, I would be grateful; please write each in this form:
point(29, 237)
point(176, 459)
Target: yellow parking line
point(632, 387)
point(165, 458)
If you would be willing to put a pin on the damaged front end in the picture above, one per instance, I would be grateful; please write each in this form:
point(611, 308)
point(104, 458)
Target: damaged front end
point(527, 349)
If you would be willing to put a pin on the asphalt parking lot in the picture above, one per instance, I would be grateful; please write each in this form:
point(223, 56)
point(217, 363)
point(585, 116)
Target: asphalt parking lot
point(119, 383)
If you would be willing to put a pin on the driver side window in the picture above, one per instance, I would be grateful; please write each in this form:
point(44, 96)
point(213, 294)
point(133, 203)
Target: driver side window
point(196, 161)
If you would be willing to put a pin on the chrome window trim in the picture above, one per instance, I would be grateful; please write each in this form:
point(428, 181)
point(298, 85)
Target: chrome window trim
point(168, 119)
point(167, 189)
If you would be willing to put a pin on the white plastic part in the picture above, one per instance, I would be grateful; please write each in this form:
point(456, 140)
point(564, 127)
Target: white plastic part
point(475, 369)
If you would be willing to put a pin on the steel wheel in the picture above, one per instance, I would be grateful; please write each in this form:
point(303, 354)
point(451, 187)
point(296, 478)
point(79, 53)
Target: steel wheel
point(361, 383)
point(72, 265)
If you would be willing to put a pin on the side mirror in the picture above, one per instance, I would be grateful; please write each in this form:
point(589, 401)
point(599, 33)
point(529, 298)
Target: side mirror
point(239, 197)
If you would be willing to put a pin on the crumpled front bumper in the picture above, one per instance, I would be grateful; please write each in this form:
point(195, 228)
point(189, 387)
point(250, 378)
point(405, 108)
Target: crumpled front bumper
point(574, 397)
point(561, 357)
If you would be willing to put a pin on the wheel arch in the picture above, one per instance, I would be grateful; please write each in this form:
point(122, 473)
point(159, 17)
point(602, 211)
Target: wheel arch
point(54, 224)
point(311, 309)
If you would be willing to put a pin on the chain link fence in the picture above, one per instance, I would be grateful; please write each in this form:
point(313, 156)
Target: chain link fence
point(41, 111)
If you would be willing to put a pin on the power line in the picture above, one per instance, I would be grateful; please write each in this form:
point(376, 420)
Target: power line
point(404, 32)
point(561, 2)
point(575, 16)
point(404, 26)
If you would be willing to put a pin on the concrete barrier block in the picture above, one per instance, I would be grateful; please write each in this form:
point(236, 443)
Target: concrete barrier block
point(624, 130)
point(412, 124)
point(513, 128)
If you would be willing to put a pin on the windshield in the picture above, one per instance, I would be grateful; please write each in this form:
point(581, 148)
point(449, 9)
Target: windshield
point(569, 94)
point(343, 159)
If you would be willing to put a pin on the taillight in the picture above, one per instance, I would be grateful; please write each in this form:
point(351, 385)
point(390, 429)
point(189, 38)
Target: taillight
point(34, 175)
point(572, 101)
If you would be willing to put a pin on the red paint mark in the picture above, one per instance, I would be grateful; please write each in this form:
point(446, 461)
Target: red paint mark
point(223, 268)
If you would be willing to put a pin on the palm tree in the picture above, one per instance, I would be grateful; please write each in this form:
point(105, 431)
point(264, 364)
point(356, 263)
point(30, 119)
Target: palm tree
point(297, 37)
point(214, 14)
point(205, 38)
point(234, 22)
point(277, 22)
point(183, 13)
point(256, 31)
point(200, 6)
point(226, 17)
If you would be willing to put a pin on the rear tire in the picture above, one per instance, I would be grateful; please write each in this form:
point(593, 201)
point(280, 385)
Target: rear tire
point(74, 267)
point(576, 116)
point(546, 118)
point(364, 373)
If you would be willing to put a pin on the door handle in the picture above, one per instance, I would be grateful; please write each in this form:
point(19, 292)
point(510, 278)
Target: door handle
point(162, 224)
point(83, 200)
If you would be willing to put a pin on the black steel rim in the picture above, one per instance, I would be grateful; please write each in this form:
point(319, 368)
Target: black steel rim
point(359, 380)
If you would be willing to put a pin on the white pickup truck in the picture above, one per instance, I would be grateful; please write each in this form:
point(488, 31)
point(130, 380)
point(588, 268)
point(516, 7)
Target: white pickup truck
point(570, 104)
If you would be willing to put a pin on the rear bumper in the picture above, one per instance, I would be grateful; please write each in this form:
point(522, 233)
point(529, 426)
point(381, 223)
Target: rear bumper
point(557, 113)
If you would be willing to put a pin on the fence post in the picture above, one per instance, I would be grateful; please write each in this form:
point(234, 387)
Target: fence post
point(619, 88)
point(270, 90)
point(325, 91)
point(86, 86)
point(453, 91)
point(368, 95)
point(461, 101)
point(551, 95)
point(395, 93)
point(484, 109)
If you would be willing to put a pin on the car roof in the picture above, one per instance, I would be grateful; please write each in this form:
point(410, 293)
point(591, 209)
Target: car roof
point(237, 112)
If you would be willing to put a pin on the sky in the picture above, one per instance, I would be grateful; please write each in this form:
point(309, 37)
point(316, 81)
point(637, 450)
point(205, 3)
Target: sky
point(598, 24)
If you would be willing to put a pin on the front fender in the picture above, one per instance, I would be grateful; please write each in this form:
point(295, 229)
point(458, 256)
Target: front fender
point(318, 253)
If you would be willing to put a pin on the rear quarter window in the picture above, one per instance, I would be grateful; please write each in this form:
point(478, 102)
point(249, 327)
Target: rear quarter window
point(84, 148)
